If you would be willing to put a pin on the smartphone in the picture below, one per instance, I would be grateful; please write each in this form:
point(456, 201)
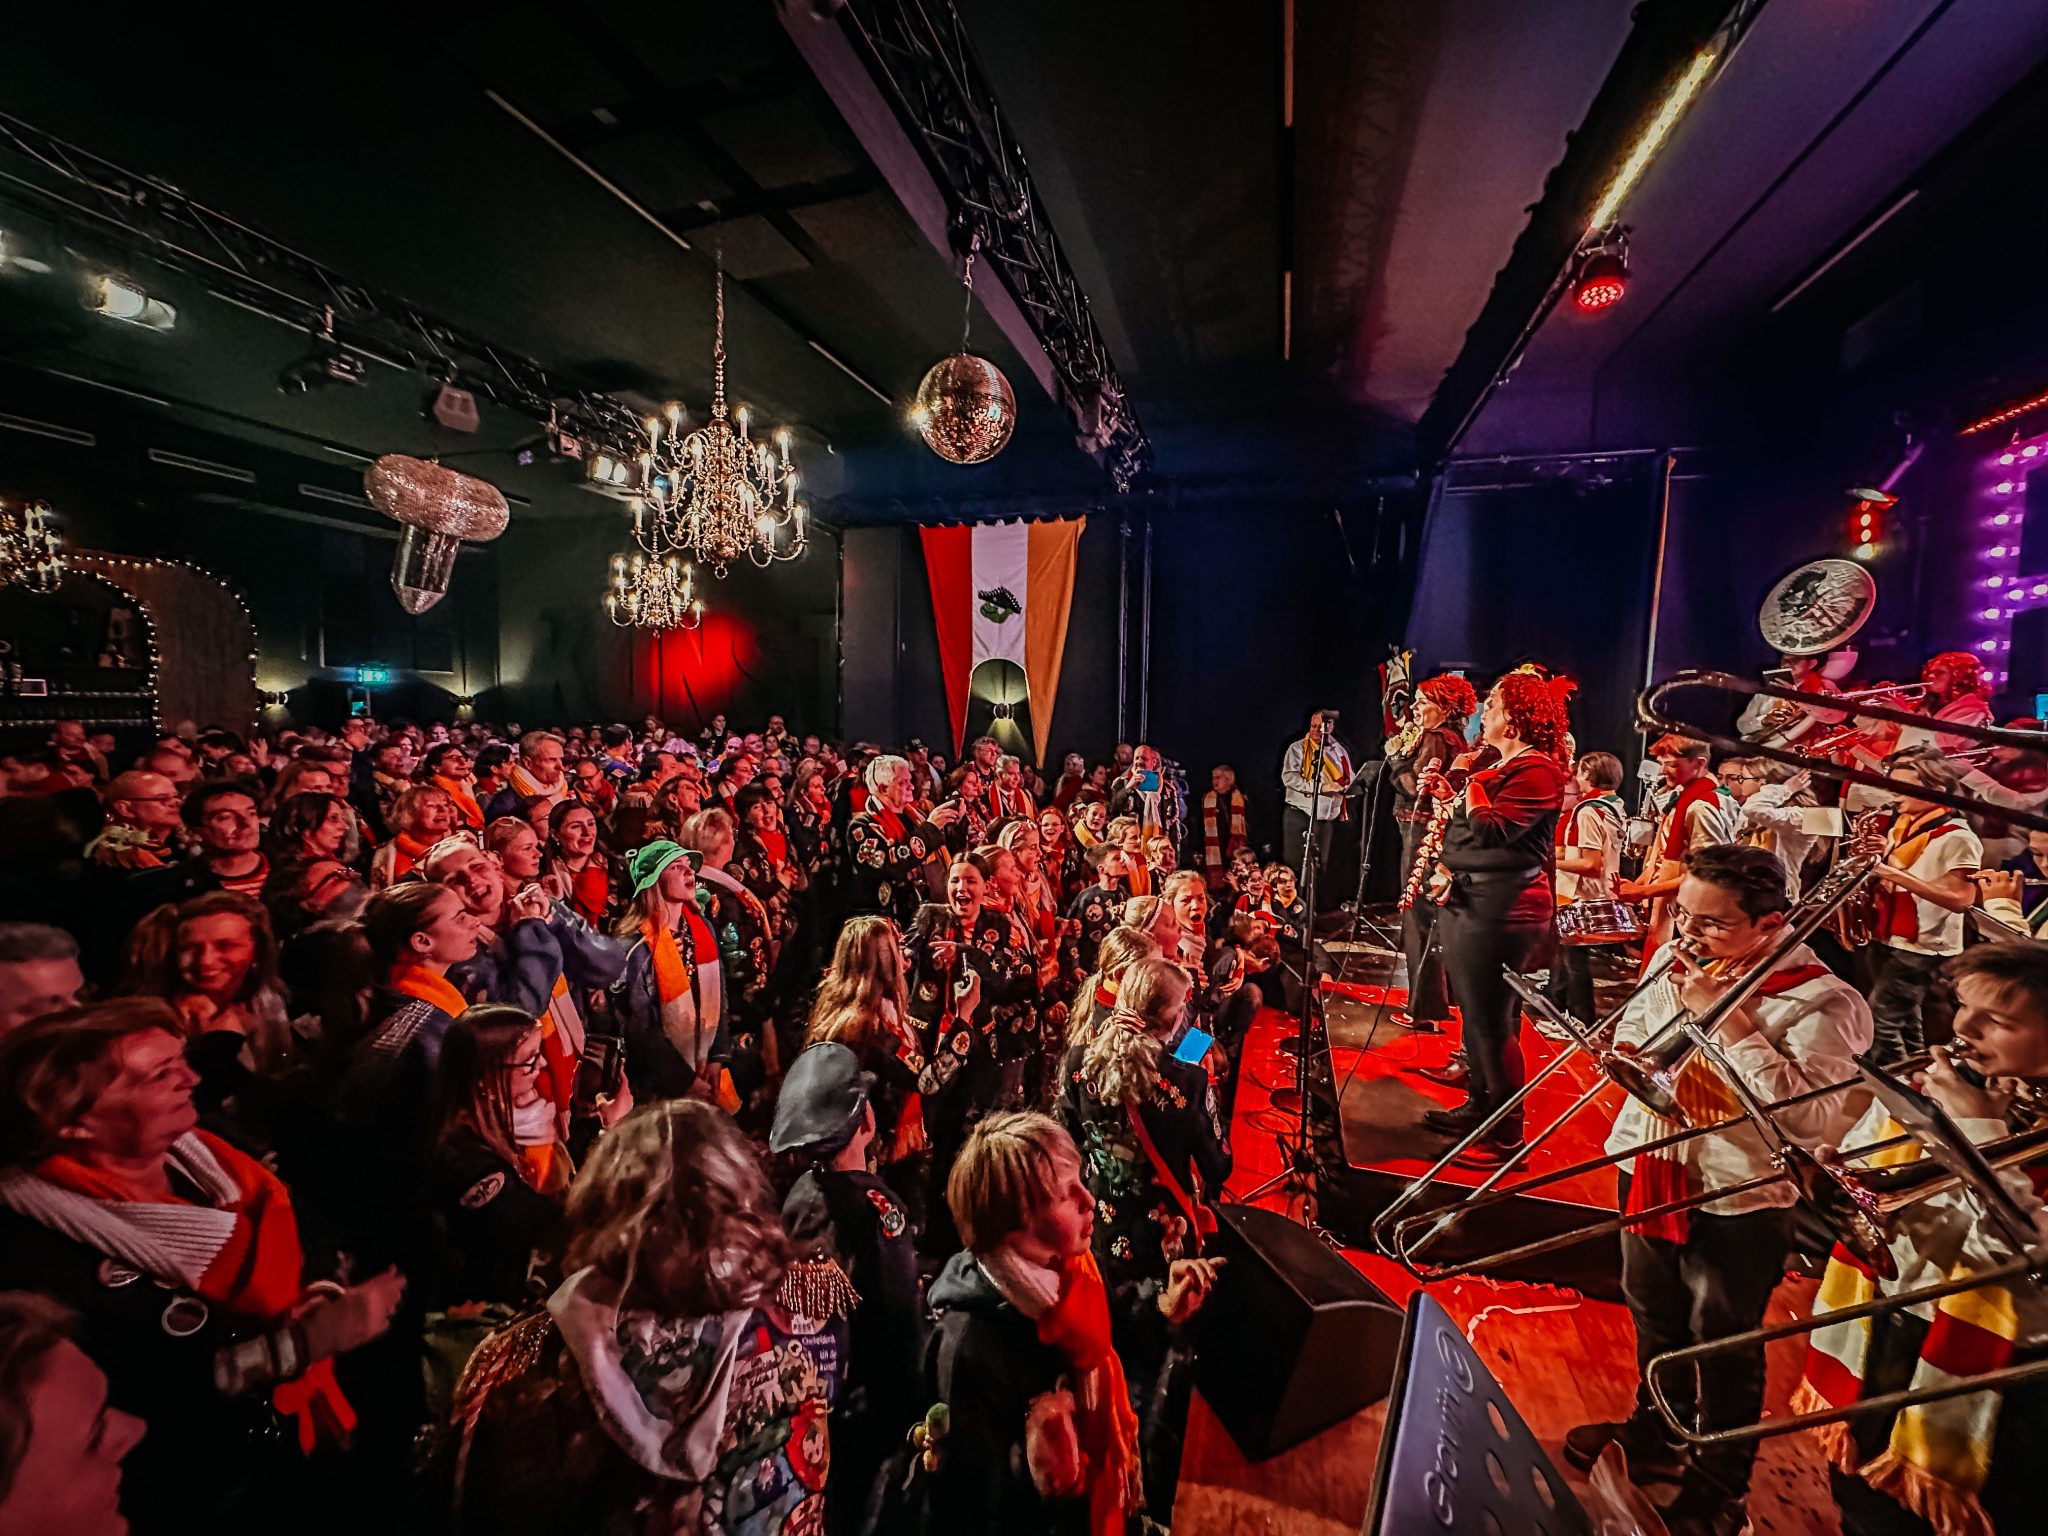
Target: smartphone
point(1148, 781)
point(1194, 1045)
point(598, 1073)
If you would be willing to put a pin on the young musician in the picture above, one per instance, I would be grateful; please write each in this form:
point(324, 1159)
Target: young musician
point(1958, 693)
point(1967, 1463)
point(1705, 1273)
point(1497, 848)
point(1434, 737)
point(1931, 860)
point(1700, 816)
point(1588, 864)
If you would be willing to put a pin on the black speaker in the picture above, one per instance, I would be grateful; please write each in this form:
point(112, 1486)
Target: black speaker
point(1293, 1339)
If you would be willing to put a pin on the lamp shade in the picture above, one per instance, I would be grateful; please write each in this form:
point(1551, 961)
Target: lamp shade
point(438, 508)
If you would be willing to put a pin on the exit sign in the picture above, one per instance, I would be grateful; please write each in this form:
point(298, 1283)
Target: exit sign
point(373, 674)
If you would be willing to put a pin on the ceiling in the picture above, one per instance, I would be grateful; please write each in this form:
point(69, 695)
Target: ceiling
point(1282, 304)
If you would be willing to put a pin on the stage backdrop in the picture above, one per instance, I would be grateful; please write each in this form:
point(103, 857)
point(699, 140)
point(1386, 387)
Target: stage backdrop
point(1002, 592)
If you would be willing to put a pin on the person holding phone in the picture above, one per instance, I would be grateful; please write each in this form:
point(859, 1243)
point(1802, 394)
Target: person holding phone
point(1153, 1153)
point(1315, 774)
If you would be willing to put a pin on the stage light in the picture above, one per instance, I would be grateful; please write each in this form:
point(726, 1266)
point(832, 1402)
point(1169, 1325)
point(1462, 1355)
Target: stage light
point(118, 299)
point(1651, 139)
point(1602, 279)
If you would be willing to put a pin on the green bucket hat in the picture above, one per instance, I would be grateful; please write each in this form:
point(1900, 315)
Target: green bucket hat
point(646, 866)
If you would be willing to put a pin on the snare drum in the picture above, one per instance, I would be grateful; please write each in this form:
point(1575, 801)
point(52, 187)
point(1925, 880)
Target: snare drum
point(1598, 920)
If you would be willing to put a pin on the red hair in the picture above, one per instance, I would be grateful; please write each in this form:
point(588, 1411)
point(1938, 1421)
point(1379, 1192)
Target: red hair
point(1535, 707)
point(1453, 695)
point(1967, 670)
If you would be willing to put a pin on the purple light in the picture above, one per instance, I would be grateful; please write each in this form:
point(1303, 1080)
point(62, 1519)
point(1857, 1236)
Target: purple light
point(1988, 645)
point(1999, 551)
point(2004, 488)
point(2005, 458)
point(1991, 613)
point(2030, 450)
point(1994, 581)
point(2001, 520)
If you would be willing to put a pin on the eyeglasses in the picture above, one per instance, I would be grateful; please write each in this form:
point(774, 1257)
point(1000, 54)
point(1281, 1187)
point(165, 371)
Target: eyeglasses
point(1682, 918)
point(531, 1063)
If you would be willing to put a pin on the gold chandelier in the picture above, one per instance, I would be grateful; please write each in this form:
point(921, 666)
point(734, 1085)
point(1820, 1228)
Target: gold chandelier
point(652, 594)
point(31, 554)
point(715, 494)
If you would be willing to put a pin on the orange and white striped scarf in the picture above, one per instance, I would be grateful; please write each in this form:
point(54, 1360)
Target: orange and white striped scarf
point(465, 802)
point(1938, 1454)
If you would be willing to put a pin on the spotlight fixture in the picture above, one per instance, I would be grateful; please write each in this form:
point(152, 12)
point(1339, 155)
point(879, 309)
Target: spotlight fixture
point(612, 473)
point(454, 409)
point(328, 363)
point(1601, 281)
point(119, 299)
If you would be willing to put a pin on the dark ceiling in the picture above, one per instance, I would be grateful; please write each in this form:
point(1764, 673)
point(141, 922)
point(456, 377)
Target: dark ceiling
point(426, 152)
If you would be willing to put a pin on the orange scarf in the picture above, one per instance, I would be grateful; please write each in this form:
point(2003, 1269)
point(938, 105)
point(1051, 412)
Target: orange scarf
point(1077, 1325)
point(1140, 879)
point(406, 851)
point(674, 980)
point(429, 987)
point(465, 802)
point(256, 1273)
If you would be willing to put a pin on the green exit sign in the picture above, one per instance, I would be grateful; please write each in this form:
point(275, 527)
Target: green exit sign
point(373, 674)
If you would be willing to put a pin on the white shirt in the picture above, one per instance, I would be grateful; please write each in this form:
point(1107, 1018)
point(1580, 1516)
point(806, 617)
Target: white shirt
point(1300, 791)
point(1807, 1037)
point(1596, 827)
point(1940, 931)
point(1767, 811)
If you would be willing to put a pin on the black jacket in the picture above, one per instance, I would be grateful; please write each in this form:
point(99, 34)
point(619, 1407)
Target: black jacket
point(986, 1363)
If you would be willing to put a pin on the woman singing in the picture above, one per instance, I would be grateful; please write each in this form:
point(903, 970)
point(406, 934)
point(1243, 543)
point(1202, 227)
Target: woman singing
point(1497, 848)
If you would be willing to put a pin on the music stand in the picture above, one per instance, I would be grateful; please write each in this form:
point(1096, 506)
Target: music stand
point(1455, 1457)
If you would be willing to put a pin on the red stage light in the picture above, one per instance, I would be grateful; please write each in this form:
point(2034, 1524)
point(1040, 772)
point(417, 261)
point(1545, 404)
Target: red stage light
point(1602, 281)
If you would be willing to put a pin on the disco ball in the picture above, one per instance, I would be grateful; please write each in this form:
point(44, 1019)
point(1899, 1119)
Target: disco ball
point(965, 409)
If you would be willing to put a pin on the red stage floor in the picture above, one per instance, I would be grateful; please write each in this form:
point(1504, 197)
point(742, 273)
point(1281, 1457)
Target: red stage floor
point(1564, 1358)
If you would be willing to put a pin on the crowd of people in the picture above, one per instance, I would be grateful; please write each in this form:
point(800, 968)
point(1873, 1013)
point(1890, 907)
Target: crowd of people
point(610, 1130)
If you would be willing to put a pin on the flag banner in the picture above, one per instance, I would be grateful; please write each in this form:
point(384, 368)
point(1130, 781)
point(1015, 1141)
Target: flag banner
point(1003, 592)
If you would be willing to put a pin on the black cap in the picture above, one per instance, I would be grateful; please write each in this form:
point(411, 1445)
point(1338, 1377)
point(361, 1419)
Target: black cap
point(821, 1099)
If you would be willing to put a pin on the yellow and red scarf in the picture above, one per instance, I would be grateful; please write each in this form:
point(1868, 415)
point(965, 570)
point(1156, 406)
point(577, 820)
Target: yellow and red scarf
point(1907, 840)
point(1938, 1454)
point(1662, 1176)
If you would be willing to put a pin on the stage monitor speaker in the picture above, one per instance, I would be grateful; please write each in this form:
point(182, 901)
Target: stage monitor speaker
point(1455, 1457)
point(1293, 1339)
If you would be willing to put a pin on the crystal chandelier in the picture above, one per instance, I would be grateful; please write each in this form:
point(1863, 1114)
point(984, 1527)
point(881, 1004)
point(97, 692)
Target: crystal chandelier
point(652, 594)
point(31, 554)
point(715, 494)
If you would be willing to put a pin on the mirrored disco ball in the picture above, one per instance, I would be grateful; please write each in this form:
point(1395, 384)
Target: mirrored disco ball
point(965, 409)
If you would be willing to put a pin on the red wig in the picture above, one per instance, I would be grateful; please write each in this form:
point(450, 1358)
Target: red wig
point(1535, 707)
point(1966, 669)
point(1453, 695)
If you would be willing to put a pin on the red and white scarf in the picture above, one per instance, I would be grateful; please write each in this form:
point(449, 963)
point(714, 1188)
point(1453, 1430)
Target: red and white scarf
point(1223, 833)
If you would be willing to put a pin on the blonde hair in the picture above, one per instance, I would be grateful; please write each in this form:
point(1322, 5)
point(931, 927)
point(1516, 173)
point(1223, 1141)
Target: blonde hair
point(1141, 912)
point(1119, 950)
point(1120, 1065)
point(1003, 1176)
point(866, 974)
point(1178, 879)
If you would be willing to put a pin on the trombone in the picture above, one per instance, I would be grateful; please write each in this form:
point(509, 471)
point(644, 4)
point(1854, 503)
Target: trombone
point(1952, 1164)
point(1649, 1073)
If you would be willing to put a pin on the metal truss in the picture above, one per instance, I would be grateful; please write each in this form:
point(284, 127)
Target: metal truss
point(918, 54)
point(73, 186)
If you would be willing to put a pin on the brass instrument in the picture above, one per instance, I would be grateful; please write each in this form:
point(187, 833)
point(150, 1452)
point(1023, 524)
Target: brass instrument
point(1395, 1231)
point(1884, 1193)
point(1860, 920)
point(1647, 1073)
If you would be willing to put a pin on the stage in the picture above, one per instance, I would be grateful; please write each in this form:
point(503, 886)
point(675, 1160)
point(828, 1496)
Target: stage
point(1564, 1356)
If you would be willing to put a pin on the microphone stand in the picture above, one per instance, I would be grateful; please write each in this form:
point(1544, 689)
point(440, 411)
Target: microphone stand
point(1297, 1152)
